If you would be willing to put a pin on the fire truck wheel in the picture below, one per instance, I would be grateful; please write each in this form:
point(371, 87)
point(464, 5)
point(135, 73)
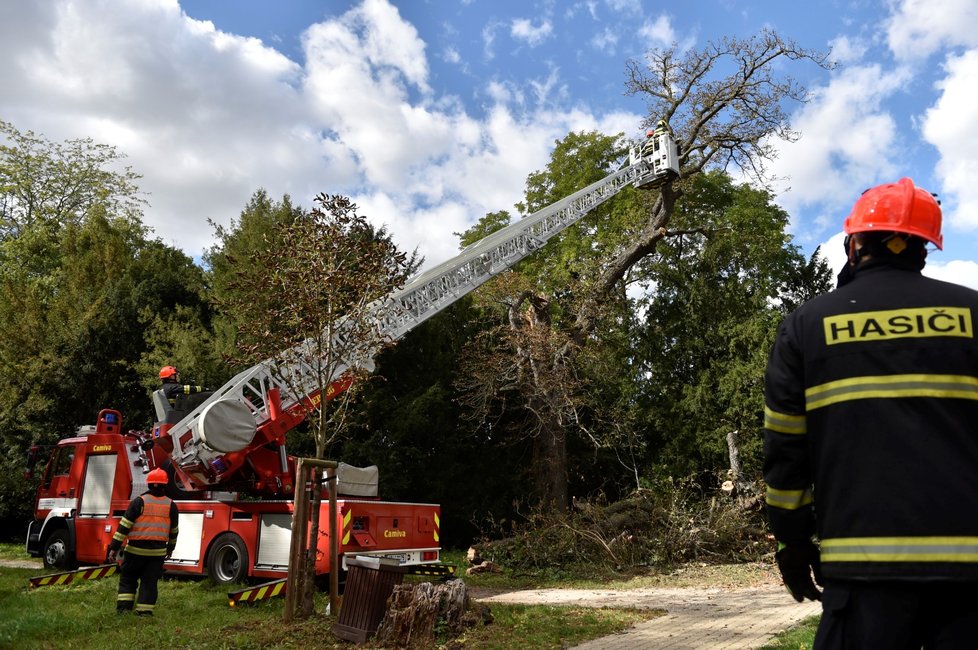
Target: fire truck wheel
point(227, 561)
point(57, 554)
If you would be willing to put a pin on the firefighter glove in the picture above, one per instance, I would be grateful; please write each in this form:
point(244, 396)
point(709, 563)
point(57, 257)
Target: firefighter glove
point(111, 556)
point(798, 564)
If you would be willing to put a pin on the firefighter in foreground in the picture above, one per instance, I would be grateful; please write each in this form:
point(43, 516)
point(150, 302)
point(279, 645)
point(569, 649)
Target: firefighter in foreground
point(871, 439)
point(150, 524)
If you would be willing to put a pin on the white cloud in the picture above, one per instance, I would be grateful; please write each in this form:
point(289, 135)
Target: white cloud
point(209, 117)
point(451, 55)
point(658, 32)
point(173, 93)
point(834, 253)
point(848, 142)
point(605, 40)
point(963, 272)
point(523, 29)
point(488, 39)
point(590, 5)
point(951, 125)
point(957, 271)
point(918, 28)
point(549, 89)
point(625, 6)
point(848, 50)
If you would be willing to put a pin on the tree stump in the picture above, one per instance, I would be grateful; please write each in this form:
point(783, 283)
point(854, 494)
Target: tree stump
point(413, 611)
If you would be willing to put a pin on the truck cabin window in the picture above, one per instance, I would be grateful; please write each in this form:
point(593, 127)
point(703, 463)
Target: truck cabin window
point(60, 464)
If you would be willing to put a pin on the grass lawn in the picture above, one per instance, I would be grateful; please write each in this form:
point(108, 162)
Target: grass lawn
point(800, 637)
point(194, 613)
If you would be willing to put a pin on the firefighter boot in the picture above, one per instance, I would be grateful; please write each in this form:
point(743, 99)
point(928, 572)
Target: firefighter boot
point(124, 604)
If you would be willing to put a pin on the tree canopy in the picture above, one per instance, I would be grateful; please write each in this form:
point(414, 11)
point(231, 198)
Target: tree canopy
point(81, 282)
point(630, 347)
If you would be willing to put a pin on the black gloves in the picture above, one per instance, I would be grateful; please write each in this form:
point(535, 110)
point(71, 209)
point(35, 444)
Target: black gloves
point(797, 564)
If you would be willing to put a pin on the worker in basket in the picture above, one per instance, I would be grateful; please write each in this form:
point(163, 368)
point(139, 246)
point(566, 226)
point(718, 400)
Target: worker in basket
point(149, 527)
point(172, 387)
point(871, 453)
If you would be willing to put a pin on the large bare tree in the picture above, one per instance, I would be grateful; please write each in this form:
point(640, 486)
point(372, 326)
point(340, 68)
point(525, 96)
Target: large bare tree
point(726, 106)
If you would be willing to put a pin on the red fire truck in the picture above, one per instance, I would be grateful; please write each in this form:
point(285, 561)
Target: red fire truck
point(226, 455)
point(91, 477)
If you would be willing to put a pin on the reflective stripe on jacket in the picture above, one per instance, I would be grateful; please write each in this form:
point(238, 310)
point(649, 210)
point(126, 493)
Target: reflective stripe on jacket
point(154, 523)
point(871, 427)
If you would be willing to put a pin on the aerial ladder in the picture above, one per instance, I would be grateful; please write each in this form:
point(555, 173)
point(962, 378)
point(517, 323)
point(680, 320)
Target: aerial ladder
point(244, 422)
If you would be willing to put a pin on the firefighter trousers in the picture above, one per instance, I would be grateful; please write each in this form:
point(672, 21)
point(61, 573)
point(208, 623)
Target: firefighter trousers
point(142, 573)
point(890, 615)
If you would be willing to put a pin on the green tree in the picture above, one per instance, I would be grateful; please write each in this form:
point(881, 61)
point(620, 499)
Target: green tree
point(52, 184)
point(307, 300)
point(710, 322)
point(529, 359)
point(79, 281)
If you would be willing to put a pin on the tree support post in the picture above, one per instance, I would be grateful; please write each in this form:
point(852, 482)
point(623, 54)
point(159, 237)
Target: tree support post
point(305, 467)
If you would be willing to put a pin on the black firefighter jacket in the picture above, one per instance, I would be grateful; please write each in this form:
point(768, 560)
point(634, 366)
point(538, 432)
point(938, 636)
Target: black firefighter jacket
point(871, 427)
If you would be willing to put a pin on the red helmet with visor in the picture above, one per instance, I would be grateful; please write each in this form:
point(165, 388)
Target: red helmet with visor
point(897, 207)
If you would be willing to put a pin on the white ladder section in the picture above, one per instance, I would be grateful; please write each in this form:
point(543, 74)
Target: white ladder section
point(218, 426)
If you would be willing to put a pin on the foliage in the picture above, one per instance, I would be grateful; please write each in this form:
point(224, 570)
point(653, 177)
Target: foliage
point(567, 313)
point(521, 376)
point(79, 282)
point(669, 523)
point(710, 321)
point(726, 101)
point(800, 637)
point(48, 185)
point(488, 224)
point(259, 227)
point(308, 297)
point(305, 301)
point(408, 422)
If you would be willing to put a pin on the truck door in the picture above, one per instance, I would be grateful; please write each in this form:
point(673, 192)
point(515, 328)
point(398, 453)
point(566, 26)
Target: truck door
point(57, 489)
point(93, 526)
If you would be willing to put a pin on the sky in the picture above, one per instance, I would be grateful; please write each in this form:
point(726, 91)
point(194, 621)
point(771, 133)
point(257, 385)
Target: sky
point(431, 113)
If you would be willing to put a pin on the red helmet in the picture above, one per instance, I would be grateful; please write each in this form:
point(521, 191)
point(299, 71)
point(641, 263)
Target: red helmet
point(167, 371)
point(897, 207)
point(158, 475)
point(650, 133)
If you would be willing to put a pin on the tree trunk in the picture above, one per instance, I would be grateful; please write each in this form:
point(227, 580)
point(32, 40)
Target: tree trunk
point(309, 583)
point(551, 466)
point(734, 451)
point(413, 611)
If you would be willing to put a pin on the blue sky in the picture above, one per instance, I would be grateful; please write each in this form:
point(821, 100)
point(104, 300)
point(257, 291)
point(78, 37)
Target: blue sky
point(432, 113)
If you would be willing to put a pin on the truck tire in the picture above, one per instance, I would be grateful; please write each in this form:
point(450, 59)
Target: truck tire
point(227, 560)
point(57, 552)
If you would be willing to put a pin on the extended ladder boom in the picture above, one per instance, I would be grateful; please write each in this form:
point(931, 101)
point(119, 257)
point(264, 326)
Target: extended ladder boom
point(214, 439)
